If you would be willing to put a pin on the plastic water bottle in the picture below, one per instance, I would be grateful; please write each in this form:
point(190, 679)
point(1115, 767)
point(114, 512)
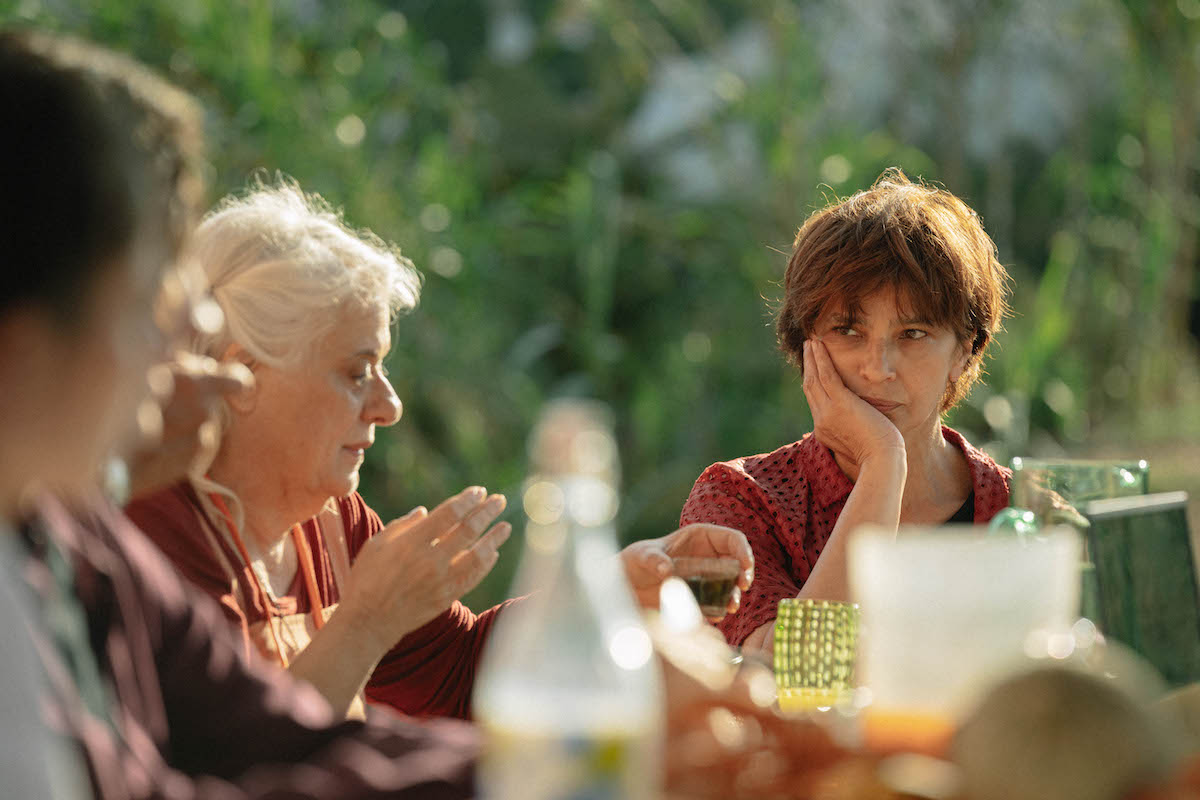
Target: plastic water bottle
point(569, 696)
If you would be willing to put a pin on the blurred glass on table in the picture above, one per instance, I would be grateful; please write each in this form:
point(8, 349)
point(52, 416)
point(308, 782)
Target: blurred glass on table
point(569, 696)
point(1046, 492)
point(712, 581)
point(947, 612)
point(816, 643)
point(1053, 489)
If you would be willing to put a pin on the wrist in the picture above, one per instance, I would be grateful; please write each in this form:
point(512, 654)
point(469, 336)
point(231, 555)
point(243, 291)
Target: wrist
point(892, 459)
point(362, 631)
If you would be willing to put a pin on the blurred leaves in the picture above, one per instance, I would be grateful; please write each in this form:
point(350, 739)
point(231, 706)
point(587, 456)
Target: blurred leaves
point(602, 193)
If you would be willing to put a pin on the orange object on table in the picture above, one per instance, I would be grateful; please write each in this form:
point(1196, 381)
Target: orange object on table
point(886, 731)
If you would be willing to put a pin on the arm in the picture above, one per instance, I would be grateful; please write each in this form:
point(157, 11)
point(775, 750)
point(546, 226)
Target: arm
point(875, 499)
point(867, 443)
point(402, 578)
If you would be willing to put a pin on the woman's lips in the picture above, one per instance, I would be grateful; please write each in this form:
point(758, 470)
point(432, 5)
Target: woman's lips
point(883, 406)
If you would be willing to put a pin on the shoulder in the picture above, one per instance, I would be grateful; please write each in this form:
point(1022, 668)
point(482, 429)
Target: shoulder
point(360, 521)
point(171, 508)
point(792, 459)
point(770, 481)
point(104, 539)
point(172, 520)
point(989, 480)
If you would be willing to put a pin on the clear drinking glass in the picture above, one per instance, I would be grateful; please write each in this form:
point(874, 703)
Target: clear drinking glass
point(712, 581)
point(946, 612)
point(1055, 490)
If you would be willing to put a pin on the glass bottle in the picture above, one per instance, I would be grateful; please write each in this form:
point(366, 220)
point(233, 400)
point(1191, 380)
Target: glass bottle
point(569, 695)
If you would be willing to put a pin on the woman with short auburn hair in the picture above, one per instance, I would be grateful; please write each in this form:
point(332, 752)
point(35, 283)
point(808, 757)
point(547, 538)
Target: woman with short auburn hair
point(891, 298)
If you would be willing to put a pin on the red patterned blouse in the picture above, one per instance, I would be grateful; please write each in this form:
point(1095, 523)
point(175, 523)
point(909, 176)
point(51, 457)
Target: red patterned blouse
point(786, 503)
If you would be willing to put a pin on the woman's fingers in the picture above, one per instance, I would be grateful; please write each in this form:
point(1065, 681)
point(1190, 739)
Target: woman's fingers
point(473, 525)
point(733, 543)
point(439, 521)
point(831, 381)
point(470, 566)
point(814, 386)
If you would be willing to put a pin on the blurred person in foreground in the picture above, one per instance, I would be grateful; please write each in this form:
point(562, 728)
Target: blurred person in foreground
point(275, 529)
point(891, 298)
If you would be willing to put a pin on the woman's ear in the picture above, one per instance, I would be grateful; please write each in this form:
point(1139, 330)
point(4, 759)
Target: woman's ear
point(242, 402)
point(962, 359)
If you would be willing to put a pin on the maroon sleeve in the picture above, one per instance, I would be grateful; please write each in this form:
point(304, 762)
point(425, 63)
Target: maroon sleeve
point(241, 729)
point(431, 671)
point(725, 496)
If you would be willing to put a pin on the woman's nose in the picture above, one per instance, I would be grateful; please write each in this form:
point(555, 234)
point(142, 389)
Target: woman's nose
point(384, 407)
point(878, 362)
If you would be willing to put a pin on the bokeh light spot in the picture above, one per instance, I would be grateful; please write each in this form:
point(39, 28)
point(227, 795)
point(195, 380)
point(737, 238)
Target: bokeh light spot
point(435, 218)
point(351, 131)
point(392, 25)
point(446, 261)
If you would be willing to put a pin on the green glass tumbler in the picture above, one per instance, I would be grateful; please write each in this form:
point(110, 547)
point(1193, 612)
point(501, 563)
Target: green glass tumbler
point(816, 644)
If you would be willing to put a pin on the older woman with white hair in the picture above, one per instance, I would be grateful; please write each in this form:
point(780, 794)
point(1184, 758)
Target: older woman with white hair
point(275, 528)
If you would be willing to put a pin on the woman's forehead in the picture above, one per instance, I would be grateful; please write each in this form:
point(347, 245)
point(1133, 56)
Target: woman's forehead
point(360, 327)
point(881, 304)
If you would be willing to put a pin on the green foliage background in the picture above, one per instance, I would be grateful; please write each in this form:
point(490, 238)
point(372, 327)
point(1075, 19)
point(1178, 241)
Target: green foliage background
point(565, 252)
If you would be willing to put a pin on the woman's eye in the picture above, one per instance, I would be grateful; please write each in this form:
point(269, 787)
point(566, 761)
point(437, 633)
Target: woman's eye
point(845, 330)
point(915, 333)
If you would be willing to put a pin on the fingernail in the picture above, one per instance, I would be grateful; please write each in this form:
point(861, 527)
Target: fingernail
point(663, 569)
point(467, 500)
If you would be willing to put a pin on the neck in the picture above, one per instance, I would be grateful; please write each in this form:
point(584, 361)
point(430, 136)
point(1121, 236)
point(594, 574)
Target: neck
point(935, 471)
point(269, 510)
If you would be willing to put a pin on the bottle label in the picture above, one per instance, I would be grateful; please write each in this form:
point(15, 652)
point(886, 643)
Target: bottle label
point(516, 764)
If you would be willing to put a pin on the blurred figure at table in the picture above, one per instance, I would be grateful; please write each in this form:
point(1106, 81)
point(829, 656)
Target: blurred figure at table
point(891, 298)
point(275, 529)
point(144, 689)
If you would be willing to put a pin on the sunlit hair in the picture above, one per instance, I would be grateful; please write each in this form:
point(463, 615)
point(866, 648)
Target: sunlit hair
point(282, 265)
point(923, 242)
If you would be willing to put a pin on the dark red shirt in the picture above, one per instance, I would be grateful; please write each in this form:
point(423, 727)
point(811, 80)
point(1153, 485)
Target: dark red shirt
point(787, 502)
point(430, 672)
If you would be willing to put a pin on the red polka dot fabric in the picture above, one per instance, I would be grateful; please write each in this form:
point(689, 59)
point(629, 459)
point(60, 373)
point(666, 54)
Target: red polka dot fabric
point(786, 503)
